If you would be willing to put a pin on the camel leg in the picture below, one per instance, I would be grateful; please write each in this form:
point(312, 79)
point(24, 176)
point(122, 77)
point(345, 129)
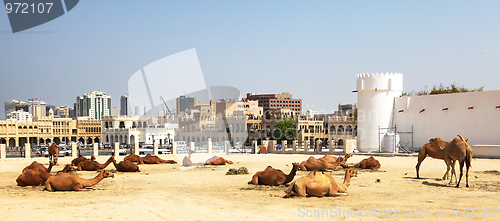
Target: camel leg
point(48, 187)
point(461, 171)
point(421, 157)
point(255, 179)
point(467, 176)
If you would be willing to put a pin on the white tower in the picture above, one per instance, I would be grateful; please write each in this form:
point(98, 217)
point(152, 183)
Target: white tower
point(376, 93)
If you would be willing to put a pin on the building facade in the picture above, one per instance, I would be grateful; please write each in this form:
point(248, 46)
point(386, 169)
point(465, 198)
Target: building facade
point(124, 106)
point(94, 105)
point(19, 115)
point(276, 101)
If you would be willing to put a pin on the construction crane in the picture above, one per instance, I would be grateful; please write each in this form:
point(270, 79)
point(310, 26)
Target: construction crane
point(170, 113)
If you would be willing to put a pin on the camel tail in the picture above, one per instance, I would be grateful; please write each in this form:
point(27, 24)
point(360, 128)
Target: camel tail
point(289, 191)
point(468, 158)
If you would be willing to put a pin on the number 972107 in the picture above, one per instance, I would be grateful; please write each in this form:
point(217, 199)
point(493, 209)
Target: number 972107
point(25, 8)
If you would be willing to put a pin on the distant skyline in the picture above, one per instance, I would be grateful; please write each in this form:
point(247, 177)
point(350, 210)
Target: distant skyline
point(313, 50)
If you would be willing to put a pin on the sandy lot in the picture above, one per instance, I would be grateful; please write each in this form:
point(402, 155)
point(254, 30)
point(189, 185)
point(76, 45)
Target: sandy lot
point(168, 192)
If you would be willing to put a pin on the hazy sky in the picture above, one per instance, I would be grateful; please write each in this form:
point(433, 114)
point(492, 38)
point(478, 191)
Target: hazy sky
point(312, 49)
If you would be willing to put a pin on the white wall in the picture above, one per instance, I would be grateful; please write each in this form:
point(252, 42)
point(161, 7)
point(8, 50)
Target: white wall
point(481, 124)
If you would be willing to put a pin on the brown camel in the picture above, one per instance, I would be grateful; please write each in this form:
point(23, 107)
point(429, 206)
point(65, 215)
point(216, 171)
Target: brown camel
point(53, 153)
point(318, 184)
point(187, 160)
point(89, 165)
point(67, 168)
point(457, 149)
point(273, 177)
point(262, 150)
point(215, 160)
point(71, 181)
point(38, 166)
point(80, 158)
point(32, 177)
point(134, 158)
point(320, 164)
point(126, 166)
point(434, 152)
point(150, 159)
point(367, 163)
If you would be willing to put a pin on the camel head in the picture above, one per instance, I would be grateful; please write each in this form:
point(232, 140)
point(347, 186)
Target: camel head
point(296, 166)
point(106, 174)
point(347, 156)
point(51, 163)
point(351, 172)
point(69, 168)
point(92, 158)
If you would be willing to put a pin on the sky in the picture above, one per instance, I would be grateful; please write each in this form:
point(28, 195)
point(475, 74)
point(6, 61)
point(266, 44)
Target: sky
point(311, 49)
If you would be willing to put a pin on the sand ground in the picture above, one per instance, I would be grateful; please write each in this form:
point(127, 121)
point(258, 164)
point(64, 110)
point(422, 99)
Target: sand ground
point(168, 192)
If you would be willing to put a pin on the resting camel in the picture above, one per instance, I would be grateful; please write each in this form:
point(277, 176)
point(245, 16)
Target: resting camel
point(367, 163)
point(262, 150)
point(53, 153)
point(215, 160)
point(434, 152)
point(320, 164)
point(32, 177)
point(331, 159)
point(457, 149)
point(318, 184)
point(273, 177)
point(126, 166)
point(71, 181)
point(38, 166)
point(89, 165)
point(67, 168)
point(134, 158)
point(80, 158)
point(187, 160)
point(150, 159)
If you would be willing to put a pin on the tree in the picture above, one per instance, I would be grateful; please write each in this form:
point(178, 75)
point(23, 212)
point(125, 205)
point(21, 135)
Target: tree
point(284, 129)
point(453, 88)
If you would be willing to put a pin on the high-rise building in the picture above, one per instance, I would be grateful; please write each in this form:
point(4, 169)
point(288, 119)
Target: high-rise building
point(183, 103)
point(277, 101)
point(19, 115)
point(62, 112)
point(124, 106)
point(94, 104)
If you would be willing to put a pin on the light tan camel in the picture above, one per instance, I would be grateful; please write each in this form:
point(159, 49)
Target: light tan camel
point(126, 166)
point(89, 165)
point(71, 181)
point(38, 166)
point(80, 158)
point(215, 160)
point(273, 177)
point(187, 160)
point(331, 159)
point(134, 158)
point(318, 184)
point(434, 152)
point(321, 164)
point(53, 153)
point(457, 149)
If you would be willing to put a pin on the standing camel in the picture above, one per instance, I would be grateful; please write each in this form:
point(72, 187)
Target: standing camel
point(434, 152)
point(457, 149)
point(53, 153)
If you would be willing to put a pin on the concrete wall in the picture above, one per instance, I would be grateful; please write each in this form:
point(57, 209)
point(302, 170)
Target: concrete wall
point(480, 124)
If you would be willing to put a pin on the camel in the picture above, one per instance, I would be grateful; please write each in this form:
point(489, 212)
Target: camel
point(457, 149)
point(80, 158)
point(53, 153)
point(320, 164)
point(126, 166)
point(89, 165)
point(367, 163)
point(134, 158)
point(215, 160)
point(434, 152)
point(187, 160)
point(38, 166)
point(32, 177)
point(273, 177)
point(331, 159)
point(150, 159)
point(71, 181)
point(262, 150)
point(318, 184)
point(67, 168)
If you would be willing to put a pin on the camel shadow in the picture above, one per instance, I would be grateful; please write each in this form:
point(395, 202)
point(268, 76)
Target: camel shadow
point(435, 184)
point(424, 179)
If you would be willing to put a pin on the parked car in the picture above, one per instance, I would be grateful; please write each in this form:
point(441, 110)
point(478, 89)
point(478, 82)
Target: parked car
point(64, 151)
point(146, 149)
point(42, 151)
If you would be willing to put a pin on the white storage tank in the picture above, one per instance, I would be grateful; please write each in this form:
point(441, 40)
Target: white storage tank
point(389, 143)
point(376, 93)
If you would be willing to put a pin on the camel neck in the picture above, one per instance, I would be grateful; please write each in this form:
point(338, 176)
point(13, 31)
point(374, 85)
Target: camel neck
point(107, 163)
point(291, 175)
point(94, 181)
point(49, 168)
point(347, 179)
